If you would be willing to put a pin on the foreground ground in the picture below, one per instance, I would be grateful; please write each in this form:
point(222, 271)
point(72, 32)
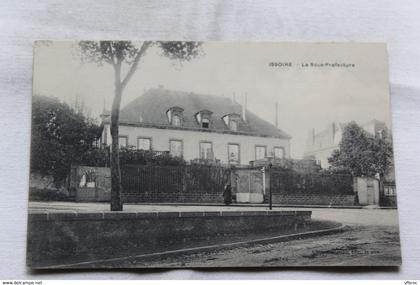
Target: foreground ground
point(358, 246)
point(371, 238)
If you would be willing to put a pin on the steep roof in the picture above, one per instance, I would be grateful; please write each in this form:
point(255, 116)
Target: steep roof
point(151, 108)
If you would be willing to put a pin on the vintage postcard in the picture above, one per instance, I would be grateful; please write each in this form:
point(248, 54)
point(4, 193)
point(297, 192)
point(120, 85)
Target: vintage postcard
point(211, 154)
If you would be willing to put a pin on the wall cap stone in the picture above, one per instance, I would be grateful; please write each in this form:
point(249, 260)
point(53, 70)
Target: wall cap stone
point(130, 215)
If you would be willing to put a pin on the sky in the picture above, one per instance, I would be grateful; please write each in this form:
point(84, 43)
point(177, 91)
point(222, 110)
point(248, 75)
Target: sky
point(308, 96)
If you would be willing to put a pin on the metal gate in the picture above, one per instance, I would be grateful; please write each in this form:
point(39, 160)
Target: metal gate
point(249, 185)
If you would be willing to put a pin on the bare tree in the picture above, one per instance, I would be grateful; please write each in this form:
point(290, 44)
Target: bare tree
point(117, 54)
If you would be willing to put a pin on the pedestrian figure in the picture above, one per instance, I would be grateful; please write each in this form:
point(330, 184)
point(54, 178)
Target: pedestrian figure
point(227, 194)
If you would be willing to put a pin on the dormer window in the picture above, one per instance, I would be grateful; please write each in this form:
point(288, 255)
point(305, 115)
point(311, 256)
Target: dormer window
point(175, 116)
point(232, 121)
point(203, 118)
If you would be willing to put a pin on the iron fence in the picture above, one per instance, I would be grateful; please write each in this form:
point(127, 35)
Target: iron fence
point(174, 179)
point(288, 181)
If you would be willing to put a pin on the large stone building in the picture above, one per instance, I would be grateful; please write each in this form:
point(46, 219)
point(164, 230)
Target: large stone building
point(196, 126)
point(320, 145)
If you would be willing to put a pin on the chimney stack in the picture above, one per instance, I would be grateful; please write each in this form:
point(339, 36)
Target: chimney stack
point(277, 115)
point(244, 106)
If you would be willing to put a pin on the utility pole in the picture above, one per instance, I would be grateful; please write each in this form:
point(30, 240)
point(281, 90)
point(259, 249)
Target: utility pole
point(270, 199)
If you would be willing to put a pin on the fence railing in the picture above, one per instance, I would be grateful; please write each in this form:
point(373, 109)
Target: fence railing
point(285, 181)
point(138, 179)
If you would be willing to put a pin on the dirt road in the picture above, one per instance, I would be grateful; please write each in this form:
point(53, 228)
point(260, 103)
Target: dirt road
point(359, 246)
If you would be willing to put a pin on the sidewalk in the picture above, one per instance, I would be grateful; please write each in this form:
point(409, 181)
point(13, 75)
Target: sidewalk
point(159, 207)
point(361, 216)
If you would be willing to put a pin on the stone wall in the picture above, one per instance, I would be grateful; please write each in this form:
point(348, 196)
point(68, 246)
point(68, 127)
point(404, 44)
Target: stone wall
point(70, 237)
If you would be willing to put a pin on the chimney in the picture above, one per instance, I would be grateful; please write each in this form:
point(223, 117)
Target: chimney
point(277, 115)
point(244, 106)
point(311, 137)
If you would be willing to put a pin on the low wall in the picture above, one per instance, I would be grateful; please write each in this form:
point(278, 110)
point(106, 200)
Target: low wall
point(313, 199)
point(65, 238)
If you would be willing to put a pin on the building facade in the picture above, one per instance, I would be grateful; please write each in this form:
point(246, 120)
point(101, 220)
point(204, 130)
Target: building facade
point(194, 126)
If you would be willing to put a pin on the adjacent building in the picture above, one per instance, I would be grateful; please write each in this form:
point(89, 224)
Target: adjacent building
point(320, 145)
point(195, 126)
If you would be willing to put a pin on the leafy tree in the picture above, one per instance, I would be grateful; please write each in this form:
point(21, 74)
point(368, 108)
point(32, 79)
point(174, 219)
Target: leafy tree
point(127, 53)
point(361, 153)
point(60, 137)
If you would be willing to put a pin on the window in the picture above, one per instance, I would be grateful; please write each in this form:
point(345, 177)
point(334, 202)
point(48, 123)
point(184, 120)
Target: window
point(389, 190)
point(176, 121)
point(233, 153)
point(105, 135)
point(233, 125)
point(279, 152)
point(205, 123)
point(122, 141)
point(175, 148)
point(260, 152)
point(144, 143)
point(206, 150)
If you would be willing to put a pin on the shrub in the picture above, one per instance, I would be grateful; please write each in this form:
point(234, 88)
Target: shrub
point(36, 194)
point(130, 155)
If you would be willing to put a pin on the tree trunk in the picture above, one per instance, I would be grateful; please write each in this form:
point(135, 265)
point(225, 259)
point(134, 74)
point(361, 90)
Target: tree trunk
point(116, 188)
point(381, 188)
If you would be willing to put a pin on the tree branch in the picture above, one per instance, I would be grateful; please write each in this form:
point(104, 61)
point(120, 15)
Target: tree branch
point(133, 68)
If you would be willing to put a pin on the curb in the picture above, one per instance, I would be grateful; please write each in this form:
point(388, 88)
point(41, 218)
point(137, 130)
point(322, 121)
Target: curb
point(265, 205)
point(169, 253)
point(254, 205)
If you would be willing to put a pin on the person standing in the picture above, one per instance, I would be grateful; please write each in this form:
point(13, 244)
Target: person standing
point(227, 194)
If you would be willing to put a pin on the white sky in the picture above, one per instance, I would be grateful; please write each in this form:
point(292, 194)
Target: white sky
point(307, 97)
